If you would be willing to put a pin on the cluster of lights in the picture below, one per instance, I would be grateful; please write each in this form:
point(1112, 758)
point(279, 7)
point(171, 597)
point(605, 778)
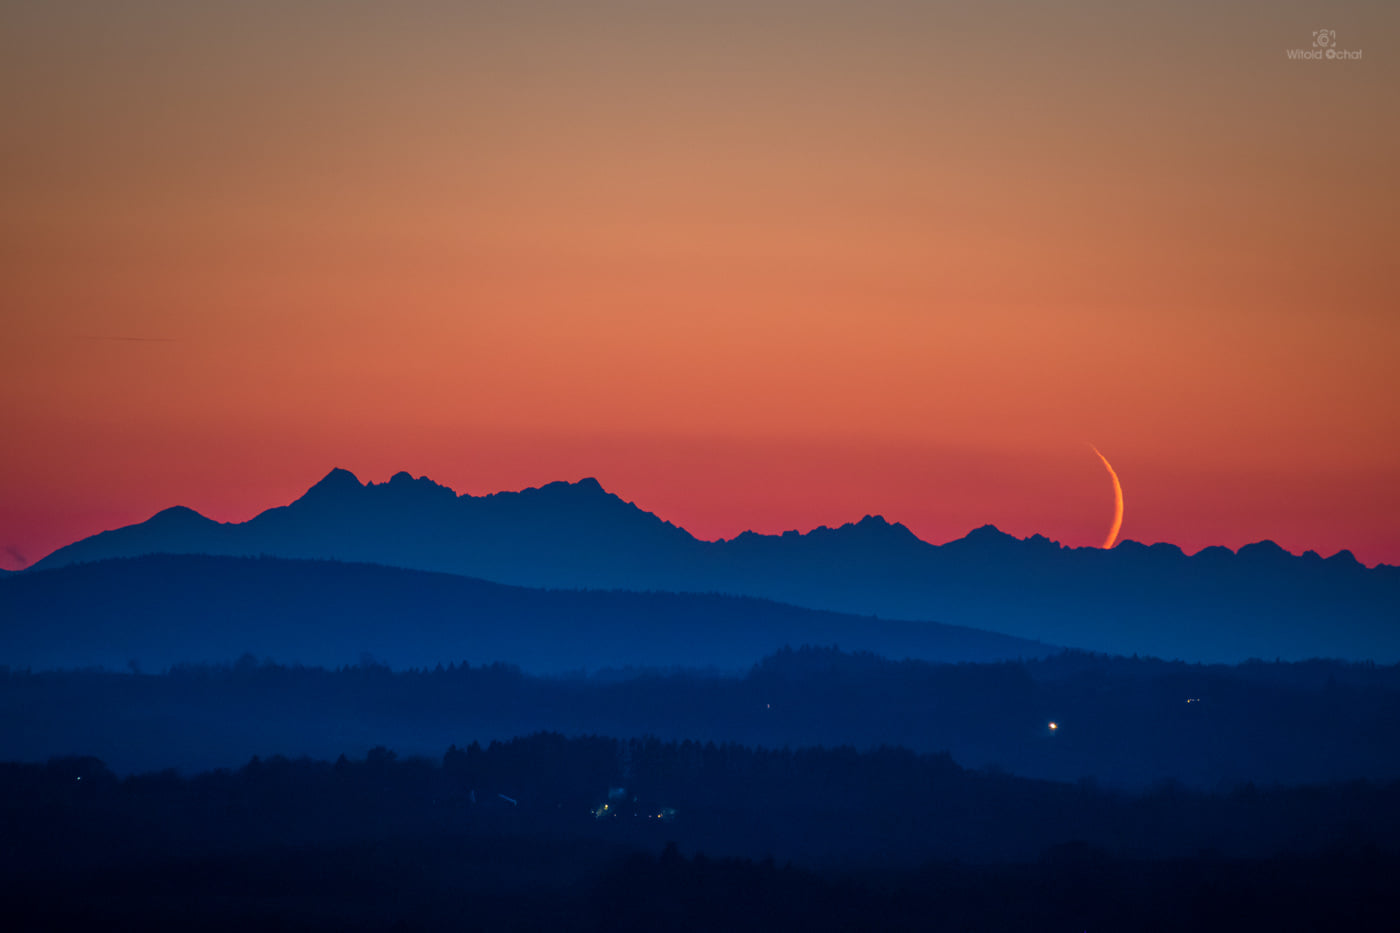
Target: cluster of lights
point(604, 811)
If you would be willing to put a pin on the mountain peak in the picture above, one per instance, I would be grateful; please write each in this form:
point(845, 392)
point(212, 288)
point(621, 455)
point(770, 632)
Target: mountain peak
point(1344, 558)
point(586, 486)
point(878, 524)
point(335, 485)
point(987, 533)
point(1262, 551)
point(177, 516)
point(986, 543)
point(341, 479)
point(403, 488)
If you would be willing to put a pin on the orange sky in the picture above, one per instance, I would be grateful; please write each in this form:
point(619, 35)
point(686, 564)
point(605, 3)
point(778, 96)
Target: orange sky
point(754, 264)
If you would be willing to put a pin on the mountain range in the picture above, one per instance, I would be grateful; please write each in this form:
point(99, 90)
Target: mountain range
point(1216, 605)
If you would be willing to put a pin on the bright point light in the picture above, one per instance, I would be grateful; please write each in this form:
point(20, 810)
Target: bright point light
point(1054, 726)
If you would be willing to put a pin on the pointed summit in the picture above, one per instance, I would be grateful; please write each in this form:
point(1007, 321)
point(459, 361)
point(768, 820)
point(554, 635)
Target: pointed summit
point(986, 534)
point(177, 517)
point(340, 478)
point(877, 527)
point(335, 486)
point(986, 543)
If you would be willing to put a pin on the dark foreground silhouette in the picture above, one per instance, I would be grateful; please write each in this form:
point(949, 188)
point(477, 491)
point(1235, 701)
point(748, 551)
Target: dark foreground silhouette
point(416, 884)
point(594, 834)
point(1121, 721)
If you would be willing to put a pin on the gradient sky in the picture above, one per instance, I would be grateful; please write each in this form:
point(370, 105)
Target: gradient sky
point(751, 264)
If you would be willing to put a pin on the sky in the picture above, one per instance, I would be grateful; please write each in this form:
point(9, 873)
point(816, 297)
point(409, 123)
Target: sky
point(755, 264)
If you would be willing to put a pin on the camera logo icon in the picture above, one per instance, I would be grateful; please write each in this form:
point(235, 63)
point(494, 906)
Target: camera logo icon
point(1324, 38)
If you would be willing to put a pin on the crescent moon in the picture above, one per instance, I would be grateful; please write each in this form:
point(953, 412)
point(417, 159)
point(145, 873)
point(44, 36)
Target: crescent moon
point(1117, 500)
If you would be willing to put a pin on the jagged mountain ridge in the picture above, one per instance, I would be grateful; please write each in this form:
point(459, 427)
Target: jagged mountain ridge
point(1216, 605)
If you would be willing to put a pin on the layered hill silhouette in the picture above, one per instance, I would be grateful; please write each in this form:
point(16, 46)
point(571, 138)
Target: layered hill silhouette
point(162, 610)
point(1216, 605)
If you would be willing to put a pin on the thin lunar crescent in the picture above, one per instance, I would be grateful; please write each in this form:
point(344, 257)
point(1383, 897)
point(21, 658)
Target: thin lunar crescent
point(1117, 500)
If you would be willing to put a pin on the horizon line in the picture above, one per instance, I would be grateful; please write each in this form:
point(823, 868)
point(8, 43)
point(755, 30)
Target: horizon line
point(722, 540)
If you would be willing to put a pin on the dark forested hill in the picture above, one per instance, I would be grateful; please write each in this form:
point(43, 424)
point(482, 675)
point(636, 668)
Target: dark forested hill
point(162, 610)
point(885, 807)
point(1217, 605)
point(1120, 721)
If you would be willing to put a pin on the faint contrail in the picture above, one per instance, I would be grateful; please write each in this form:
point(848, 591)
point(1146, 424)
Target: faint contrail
point(130, 339)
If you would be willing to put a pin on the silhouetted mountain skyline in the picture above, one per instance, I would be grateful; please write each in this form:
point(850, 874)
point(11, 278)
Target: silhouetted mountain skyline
point(1215, 605)
point(341, 486)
